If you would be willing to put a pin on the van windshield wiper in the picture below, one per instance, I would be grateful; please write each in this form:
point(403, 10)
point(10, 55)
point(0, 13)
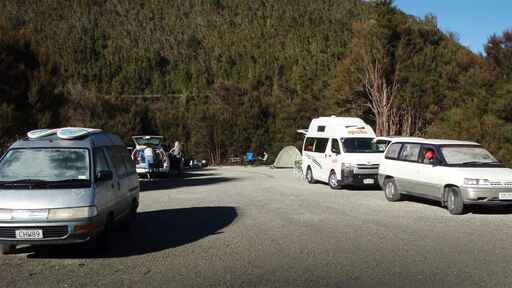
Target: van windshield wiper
point(39, 182)
point(71, 182)
point(23, 182)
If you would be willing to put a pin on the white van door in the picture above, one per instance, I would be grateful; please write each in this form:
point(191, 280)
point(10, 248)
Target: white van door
point(321, 159)
point(335, 157)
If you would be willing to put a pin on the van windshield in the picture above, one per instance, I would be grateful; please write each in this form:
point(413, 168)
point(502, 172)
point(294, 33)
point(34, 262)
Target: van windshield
point(361, 145)
point(45, 165)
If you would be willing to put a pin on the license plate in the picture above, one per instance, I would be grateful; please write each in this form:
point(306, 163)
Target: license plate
point(29, 234)
point(506, 196)
point(368, 181)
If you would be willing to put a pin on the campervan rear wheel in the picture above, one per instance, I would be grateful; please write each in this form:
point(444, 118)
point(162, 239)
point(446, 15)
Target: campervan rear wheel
point(309, 176)
point(333, 181)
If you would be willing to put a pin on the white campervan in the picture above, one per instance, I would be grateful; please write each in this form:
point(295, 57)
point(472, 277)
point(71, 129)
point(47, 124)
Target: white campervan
point(341, 151)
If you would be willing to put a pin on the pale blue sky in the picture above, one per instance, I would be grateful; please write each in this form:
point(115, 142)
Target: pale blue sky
point(472, 20)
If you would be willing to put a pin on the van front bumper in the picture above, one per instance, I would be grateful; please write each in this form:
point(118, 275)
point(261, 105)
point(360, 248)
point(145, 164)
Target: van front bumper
point(485, 195)
point(53, 232)
point(349, 177)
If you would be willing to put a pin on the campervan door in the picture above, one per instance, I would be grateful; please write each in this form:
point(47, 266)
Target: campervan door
point(315, 157)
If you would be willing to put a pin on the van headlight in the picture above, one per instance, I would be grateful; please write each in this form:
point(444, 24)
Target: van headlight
point(476, 182)
point(72, 213)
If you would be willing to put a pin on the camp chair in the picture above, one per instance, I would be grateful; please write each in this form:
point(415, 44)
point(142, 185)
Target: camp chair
point(249, 158)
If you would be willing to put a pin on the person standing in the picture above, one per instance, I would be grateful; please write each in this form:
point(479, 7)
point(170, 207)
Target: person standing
point(177, 157)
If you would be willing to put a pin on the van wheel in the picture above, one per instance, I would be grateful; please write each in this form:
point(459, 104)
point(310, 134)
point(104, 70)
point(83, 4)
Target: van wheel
point(128, 223)
point(333, 181)
point(6, 249)
point(309, 176)
point(104, 241)
point(391, 191)
point(454, 201)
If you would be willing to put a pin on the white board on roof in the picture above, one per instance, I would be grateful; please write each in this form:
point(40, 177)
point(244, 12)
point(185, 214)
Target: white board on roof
point(75, 132)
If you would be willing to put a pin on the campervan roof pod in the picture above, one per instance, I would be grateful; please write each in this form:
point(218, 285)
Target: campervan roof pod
point(340, 127)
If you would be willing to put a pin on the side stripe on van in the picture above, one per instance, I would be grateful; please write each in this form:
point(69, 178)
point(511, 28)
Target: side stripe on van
point(314, 161)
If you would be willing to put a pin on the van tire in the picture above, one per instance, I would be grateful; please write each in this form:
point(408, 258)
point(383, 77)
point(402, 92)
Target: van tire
point(391, 191)
point(104, 241)
point(334, 183)
point(454, 201)
point(6, 249)
point(309, 176)
point(128, 224)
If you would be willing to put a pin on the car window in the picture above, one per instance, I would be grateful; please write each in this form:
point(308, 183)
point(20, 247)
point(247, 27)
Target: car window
point(335, 146)
point(321, 145)
point(427, 155)
point(100, 162)
point(393, 150)
point(309, 144)
point(117, 161)
point(128, 162)
point(410, 152)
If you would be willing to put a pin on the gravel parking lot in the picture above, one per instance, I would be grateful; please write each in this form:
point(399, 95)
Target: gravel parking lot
point(257, 227)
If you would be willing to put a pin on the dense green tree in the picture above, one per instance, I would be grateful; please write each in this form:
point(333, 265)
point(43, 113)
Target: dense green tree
point(228, 75)
point(31, 93)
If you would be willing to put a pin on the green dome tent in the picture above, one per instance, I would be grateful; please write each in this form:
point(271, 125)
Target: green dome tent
point(287, 157)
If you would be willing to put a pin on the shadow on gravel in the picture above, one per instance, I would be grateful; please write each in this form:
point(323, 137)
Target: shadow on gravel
point(188, 179)
point(155, 231)
point(473, 209)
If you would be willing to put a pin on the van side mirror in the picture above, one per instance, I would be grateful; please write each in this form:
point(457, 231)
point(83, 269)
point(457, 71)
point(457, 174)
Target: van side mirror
point(335, 151)
point(104, 175)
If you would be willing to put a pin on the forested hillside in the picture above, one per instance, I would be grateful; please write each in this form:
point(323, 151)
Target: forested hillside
point(223, 75)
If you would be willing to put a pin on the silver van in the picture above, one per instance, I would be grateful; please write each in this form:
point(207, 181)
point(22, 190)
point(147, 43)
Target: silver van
point(66, 185)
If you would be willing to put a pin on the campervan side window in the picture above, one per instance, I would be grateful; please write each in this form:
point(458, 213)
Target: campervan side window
point(321, 145)
point(309, 144)
point(321, 129)
point(335, 146)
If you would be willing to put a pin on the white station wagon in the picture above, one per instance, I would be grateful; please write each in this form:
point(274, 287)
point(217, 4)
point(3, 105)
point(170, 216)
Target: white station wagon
point(456, 173)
